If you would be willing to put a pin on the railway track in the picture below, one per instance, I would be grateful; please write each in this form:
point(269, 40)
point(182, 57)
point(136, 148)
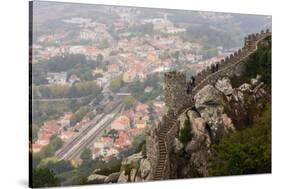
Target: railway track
point(62, 153)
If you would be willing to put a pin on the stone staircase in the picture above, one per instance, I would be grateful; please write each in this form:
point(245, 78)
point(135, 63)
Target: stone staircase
point(161, 164)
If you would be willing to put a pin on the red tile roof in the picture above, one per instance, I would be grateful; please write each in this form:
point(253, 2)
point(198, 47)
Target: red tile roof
point(51, 127)
point(121, 123)
point(142, 108)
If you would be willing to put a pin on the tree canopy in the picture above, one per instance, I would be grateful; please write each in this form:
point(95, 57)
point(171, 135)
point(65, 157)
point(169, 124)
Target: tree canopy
point(43, 177)
point(245, 152)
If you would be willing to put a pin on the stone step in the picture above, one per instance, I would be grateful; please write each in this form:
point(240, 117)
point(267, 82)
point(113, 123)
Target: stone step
point(159, 172)
point(159, 168)
point(158, 175)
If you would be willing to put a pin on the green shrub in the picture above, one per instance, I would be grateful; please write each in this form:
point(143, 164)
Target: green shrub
point(185, 134)
point(43, 178)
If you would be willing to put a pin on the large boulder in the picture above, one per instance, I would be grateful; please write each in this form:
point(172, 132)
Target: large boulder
point(224, 86)
point(211, 105)
point(196, 150)
point(178, 146)
point(96, 179)
point(135, 168)
point(129, 167)
point(246, 88)
point(254, 82)
point(197, 165)
point(208, 96)
point(112, 178)
point(200, 135)
point(145, 170)
point(246, 101)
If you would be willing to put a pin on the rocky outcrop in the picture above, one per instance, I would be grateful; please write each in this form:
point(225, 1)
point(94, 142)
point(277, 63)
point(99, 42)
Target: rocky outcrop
point(112, 178)
point(100, 179)
point(211, 119)
point(224, 86)
point(196, 150)
point(145, 170)
point(96, 179)
point(246, 102)
point(211, 103)
point(135, 168)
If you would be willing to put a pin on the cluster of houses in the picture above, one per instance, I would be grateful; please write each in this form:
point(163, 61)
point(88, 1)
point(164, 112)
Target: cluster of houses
point(61, 78)
point(123, 130)
point(118, 137)
point(131, 58)
point(50, 128)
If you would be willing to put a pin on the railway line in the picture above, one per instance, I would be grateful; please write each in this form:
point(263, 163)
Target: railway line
point(91, 131)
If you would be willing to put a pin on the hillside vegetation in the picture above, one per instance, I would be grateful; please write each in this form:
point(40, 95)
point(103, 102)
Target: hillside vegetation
point(248, 151)
point(245, 152)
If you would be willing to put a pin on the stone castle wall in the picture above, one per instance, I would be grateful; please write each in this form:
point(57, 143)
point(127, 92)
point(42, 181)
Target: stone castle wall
point(176, 85)
point(178, 98)
point(231, 65)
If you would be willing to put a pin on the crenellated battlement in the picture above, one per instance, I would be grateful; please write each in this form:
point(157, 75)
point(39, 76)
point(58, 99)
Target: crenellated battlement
point(179, 91)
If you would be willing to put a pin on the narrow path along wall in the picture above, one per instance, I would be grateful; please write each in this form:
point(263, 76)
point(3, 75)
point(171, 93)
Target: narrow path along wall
point(178, 97)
